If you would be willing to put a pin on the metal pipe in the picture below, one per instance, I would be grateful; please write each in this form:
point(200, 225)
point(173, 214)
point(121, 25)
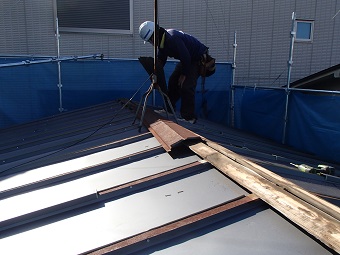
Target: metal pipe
point(258, 87)
point(59, 67)
point(316, 91)
point(52, 59)
point(290, 63)
point(290, 89)
point(155, 41)
point(24, 56)
point(26, 62)
point(234, 58)
point(232, 99)
point(292, 39)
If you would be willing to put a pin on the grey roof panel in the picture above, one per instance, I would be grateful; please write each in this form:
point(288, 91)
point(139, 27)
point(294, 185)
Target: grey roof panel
point(256, 232)
point(89, 182)
point(77, 164)
point(114, 220)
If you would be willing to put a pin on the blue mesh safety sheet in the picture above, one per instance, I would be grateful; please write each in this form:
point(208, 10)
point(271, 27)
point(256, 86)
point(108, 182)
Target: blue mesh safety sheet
point(31, 91)
point(313, 122)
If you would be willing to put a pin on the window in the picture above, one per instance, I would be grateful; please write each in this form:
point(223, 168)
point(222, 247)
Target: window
point(304, 30)
point(94, 16)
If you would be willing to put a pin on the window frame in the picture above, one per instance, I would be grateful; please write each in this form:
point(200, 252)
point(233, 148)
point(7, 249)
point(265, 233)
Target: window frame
point(311, 22)
point(95, 30)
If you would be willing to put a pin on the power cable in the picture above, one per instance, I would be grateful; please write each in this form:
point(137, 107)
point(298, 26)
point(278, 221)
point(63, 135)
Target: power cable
point(336, 14)
point(83, 139)
point(204, 100)
point(278, 77)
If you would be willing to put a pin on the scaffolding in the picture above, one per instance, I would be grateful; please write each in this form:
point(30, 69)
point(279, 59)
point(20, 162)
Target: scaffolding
point(230, 110)
point(287, 89)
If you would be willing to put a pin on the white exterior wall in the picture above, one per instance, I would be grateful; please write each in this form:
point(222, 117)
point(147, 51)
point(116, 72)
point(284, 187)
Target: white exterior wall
point(263, 34)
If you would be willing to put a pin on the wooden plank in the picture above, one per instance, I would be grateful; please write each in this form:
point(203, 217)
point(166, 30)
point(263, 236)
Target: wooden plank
point(314, 200)
point(319, 224)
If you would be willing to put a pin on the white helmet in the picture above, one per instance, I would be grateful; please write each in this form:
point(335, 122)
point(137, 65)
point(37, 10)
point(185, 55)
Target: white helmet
point(146, 30)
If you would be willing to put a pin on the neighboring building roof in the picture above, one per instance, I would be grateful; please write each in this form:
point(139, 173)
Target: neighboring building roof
point(89, 182)
point(328, 79)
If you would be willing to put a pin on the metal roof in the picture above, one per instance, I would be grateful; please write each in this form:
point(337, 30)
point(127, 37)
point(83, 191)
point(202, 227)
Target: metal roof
point(89, 182)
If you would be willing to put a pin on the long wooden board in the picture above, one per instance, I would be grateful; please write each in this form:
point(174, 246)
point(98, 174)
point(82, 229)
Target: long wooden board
point(316, 222)
point(292, 188)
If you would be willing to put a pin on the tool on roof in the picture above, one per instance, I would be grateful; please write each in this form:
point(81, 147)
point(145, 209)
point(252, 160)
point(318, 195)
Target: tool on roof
point(321, 169)
point(154, 83)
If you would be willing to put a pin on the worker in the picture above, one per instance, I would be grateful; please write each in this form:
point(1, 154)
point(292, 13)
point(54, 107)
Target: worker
point(189, 51)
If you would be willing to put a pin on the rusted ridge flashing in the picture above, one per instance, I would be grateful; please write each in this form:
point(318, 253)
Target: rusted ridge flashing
point(170, 134)
point(314, 221)
point(195, 166)
point(292, 188)
point(182, 226)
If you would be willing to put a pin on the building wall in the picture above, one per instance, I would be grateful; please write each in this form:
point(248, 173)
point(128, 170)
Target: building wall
point(262, 29)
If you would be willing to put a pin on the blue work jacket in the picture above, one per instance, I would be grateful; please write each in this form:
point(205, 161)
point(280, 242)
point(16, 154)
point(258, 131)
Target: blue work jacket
point(181, 46)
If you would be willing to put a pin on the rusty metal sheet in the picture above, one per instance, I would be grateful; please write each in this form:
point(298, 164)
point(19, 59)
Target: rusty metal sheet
point(170, 134)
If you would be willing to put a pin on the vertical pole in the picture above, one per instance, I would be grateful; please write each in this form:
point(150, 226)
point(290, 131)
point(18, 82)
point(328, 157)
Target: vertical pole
point(59, 67)
point(155, 43)
point(290, 63)
point(232, 88)
point(292, 39)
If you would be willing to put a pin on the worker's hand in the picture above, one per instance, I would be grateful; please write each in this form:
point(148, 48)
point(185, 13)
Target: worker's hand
point(181, 80)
